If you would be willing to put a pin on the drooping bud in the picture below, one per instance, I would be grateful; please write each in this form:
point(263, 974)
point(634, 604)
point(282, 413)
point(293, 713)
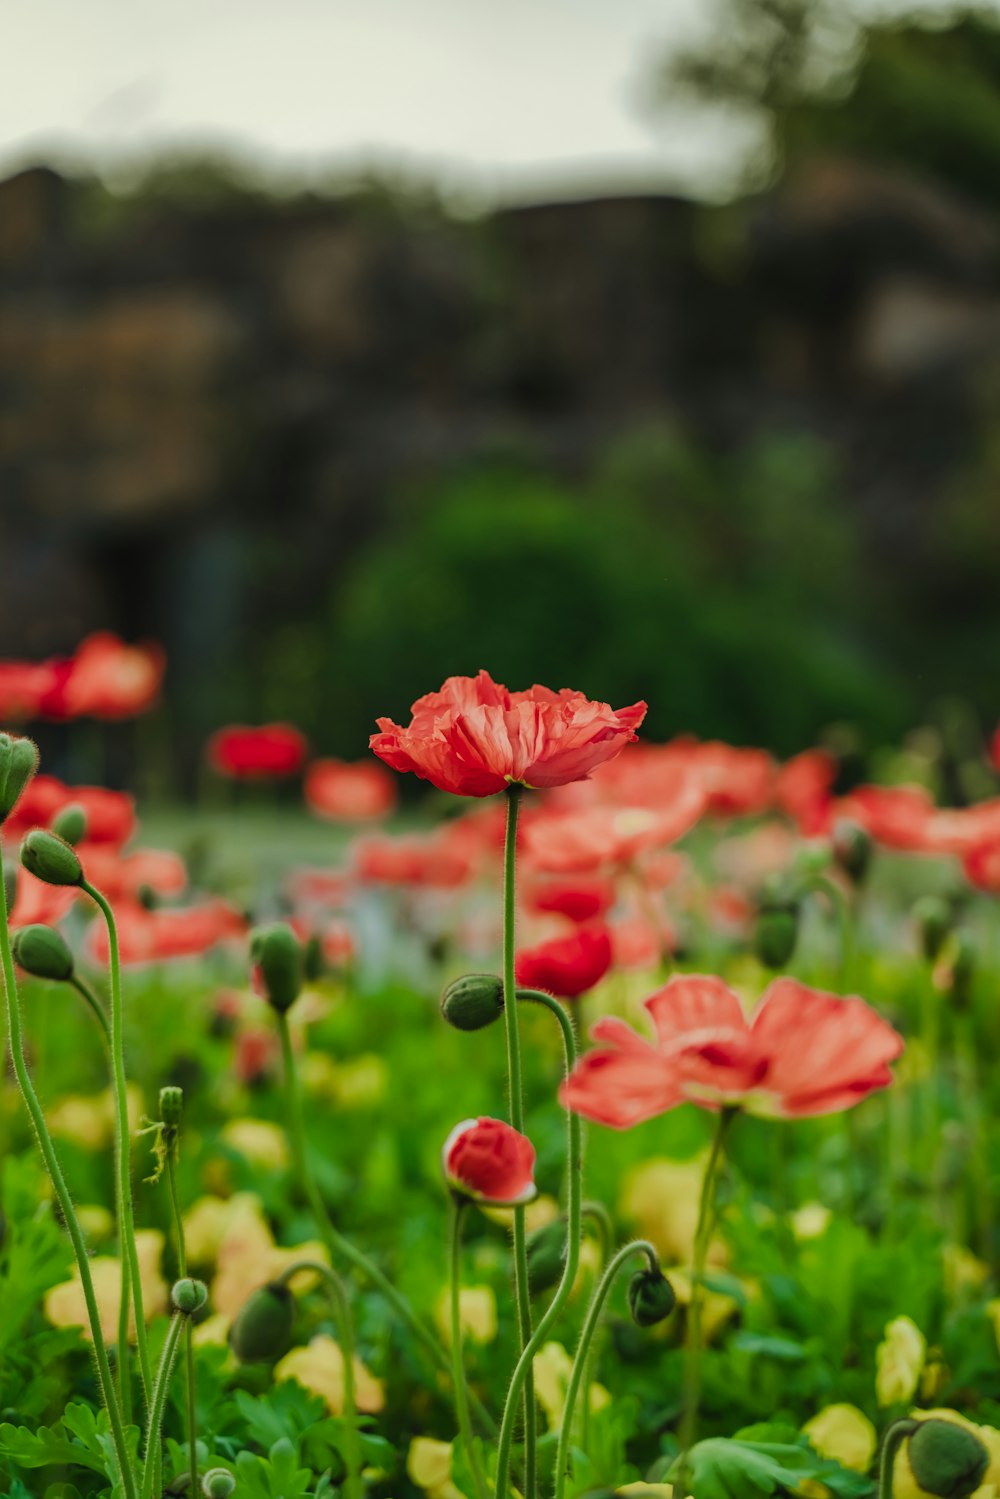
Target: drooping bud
point(262, 1331)
point(42, 951)
point(218, 1483)
point(18, 763)
point(189, 1296)
point(473, 1001)
point(852, 848)
point(546, 1250)
point(776, 933)
point(947, 1459)
point(651, 1298)
point(171, 1105)
point(71, 824)
point(50, 859)
point(276, 955)
point(932, 917)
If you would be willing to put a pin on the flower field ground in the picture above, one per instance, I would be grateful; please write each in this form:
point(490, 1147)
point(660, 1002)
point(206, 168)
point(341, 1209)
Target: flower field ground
point(616, 1118)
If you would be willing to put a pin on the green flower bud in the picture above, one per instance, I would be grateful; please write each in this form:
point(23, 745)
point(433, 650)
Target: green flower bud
point(218, 1483)
point(933, 922)
point(947, 1459)
point(262, 1331)
point(71, 824)
point(546, 1249)
point(171, 1105)
point(48, 858)
point(147, 897)
point(473, 1001)
point(651, 1297)
point(189, 1296)
point(18, 763)
point(776, 934)
point(852, 848)
point(42, 951)
point(276, 955)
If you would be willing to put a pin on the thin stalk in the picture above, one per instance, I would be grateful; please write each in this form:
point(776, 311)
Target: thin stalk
point(845, 924)
point(456, 1213)
point(345, 1333)
point(515, 1089)
point(93, 1004)
point(123, 1140)
point(891, 1443)
point(599, 1216)
point(37, 1116)
point(170, 1169)
point(157, 1404)
point(594, 1310)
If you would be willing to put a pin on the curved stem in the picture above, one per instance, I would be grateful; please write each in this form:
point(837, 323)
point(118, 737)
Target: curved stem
point(845, 922)
point(63, 1197)
point(601, 1219)
point(157, 1404)
point(170, 1169)
point(93, 1003)
point(456, 1212)
point(345, 1333)
point(123, 1140)
point(335, 1241)
point(515, 1089)
point(594, 1310)
point(891, 1443)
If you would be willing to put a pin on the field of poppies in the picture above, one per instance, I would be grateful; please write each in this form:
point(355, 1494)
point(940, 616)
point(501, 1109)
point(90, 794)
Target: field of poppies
point(524, 1108)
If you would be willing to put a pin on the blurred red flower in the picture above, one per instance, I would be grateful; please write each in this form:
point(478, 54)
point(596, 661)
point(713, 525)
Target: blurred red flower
point(105, 678)
point(110, 814)
point(474, 737)
point(24, 686)
point(566, 966)
point(37, 901)
point(124, 876)
point(490, 1162)
point(595, 837)
point(170, 932)
point(256, 1054)
point(803, 790)
point(270, 752)
point(415, 859)
point(802, 1052)
point(349, 793)
point(581, 899)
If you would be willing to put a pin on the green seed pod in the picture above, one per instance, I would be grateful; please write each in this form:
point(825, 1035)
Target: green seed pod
point(651, 1298)
point(18, 763)
point(218, 1483)
point(189, 1296)
point(276, 955)
point(71, 824)
point(546, 1249)
point(171, 1105)
point(262, 1331)
point(852, 848)
point(473, 1001)
point(947, 1459)
point(932, 917)
point(42, 951)
point(776, 934)
point(48, 858)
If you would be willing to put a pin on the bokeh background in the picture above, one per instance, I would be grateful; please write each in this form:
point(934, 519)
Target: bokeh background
point(648, 348)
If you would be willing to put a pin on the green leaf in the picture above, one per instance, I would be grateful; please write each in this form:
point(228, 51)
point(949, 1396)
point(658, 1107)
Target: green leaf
point(47, 1445)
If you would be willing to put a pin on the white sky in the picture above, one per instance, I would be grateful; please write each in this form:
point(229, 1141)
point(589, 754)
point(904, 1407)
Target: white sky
point(490, 97)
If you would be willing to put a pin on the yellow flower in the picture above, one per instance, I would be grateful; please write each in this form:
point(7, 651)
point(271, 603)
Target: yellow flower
point(213, 1331)
point(905, 1486)
point(661, 1197)
point(95, 1220)
point(360, 1083)
point(658, 1490)
point(962, 1270)
point(259, 1141)
point(716, 1307)
point(845, 1434)
point(90, 1121)
point(810, 1221)
point(428, 1465)
point(248, 1258)
point(552, 1365)
point(209, 1220)
point(320, 1368)
point(65, 1305)
point(536, 1214)
point(898, 1361)
point(477, 1312)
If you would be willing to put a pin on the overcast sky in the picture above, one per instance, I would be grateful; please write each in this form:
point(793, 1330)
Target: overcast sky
point(492, 97)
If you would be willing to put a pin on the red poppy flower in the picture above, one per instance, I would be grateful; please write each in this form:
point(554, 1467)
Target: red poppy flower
point(349, 793)
point(596, 837)
point(105, 678)
point(24, 686)
point(736, 782)
point(124, 876)
point(897, 816)
point(801, 1052)
point(171, 932)
point(802, 790)
point(266, 753)
point(566, 966)
point(982, 867)
point(110, 814)
point(475, 738)
point(255, 1056)
point(490, 1162)
point(579, 899)
point(37, 901)
point(417, 859)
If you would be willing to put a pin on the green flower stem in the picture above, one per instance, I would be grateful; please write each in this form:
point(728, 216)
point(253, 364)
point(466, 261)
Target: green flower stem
point(336, 1242)
point(63, 1197)
point(845, 923)
point(891, 1443)
point(94, 1004)
point(170, 1170)
point(123, 1143)
point(157, 1404)
point(345, 1334)
point(456, 1213)
point(693, 1341)
point(594, 1310)
point(515, 1088)
point(574, 1173)
point(599, 1216)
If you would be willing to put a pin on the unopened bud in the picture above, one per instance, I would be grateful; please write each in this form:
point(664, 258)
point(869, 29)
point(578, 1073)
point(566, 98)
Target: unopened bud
point(262, 1331)
point(651, 1298)
point(932, 917)
point(776, 934)
point(42, 951)
point(171, 1105)
point(50, 859)
point(852, 848)
point(218, 1483)
point(71, 823)
point(276, 955)
point(947, 1459)
point(189, 1296)
point(546, 1250)
point(18, 763)
point(473, 1001)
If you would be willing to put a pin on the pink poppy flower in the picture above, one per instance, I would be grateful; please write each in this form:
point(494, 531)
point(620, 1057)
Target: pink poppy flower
point(488, 1161)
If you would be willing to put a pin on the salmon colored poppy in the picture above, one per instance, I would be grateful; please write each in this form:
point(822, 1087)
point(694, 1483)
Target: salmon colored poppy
point(105, 678)
point(35, 901)
point(801, 1052)
point(349, 793)
point(896, 816)
point(474, 737)
point(171, 932)
point(599, 837)
point(982, 867)
point(270, 752)
point(566, 966)
point(416, 859)
point(490, 1162)
point(803, 790)
point(735, 781)
point(125, 876)
point(110, 814)
point(24, 686)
